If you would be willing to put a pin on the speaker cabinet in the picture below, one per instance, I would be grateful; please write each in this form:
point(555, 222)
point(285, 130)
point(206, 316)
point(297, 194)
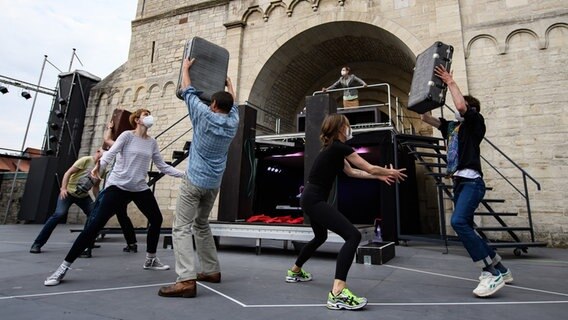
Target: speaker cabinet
point(317, 108)
point(237, 187)
point(209, 71)
point(66, 121)
point(41, 190)
point(428, 91)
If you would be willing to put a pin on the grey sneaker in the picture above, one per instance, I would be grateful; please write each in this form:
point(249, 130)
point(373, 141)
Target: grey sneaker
point(507, 276)
point(488, 284)
point(345, 300)
point(56, 277)
point(155, 264)
point(36, 248)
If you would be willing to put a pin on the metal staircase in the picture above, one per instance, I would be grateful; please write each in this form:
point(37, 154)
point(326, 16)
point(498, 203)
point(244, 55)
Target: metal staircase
point(430, 154)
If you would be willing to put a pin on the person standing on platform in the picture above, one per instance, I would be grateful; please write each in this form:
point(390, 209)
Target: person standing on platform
point(335, 157)
point(134, 150)
point(75, 186)
point(347, 80)
point(464, 166)
point(214, 127)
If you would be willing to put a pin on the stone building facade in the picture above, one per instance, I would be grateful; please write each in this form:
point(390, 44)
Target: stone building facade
point(511, 54)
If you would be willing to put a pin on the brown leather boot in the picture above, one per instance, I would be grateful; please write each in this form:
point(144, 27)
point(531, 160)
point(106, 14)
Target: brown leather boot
point(186, 289)
point(214, 277)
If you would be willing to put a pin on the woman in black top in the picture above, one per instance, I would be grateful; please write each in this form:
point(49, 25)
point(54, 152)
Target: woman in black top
point(335, 157)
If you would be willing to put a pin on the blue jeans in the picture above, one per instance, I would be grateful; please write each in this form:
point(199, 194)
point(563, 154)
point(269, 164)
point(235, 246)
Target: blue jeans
point(468, 193)
point(86, 204)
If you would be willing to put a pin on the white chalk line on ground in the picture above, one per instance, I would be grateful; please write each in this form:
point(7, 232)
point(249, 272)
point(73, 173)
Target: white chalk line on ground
point(82, 291)
point(461, 278)
point(393, 304)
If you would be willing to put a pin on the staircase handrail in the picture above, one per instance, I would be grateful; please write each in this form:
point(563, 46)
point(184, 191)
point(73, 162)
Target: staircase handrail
point(278, 117)
point(171, 126)
point(153, 181)
point(525, 174)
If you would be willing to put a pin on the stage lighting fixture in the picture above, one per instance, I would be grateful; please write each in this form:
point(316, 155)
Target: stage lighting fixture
point(49, 152)
point(54, 126)
point(62, 102)
point(3, 89)
point(26, 95)
point(58, 113)
point(53, 138)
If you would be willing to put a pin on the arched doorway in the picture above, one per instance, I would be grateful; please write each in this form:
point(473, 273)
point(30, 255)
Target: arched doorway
point(313, 58)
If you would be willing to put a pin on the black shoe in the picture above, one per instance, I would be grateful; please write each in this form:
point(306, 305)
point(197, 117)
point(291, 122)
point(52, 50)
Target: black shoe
point(131, 248)
point(36, 248)
point(86, 254)
point(96, 246)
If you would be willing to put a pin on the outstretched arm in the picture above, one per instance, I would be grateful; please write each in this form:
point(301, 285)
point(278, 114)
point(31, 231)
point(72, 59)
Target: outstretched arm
point(185, 79)
point(372, 170)
point(448, 79)
point(107, 136)
point(65, 181)
point(230, 88)
point(435, 122)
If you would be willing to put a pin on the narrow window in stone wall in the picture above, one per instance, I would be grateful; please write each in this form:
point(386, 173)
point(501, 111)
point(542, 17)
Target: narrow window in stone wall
point(153, 50)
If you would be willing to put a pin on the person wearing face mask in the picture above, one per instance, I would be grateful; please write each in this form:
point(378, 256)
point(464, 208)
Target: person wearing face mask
point(464, 167)
point(334, 157)
point(134, 150)
point(350, 96)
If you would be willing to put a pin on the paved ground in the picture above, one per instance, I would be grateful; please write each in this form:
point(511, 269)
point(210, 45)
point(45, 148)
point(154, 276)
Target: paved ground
point(419, 283)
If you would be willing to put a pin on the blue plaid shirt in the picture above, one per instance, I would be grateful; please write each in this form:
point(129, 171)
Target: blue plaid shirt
point(212, 135)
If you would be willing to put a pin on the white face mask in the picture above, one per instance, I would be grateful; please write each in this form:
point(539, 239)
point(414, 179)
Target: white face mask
point(348, 134)
point(459, 117)
point(148, 121)
point(344, 72)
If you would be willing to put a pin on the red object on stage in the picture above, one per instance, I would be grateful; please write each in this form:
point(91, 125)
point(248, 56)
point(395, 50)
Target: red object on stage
point(281, 219)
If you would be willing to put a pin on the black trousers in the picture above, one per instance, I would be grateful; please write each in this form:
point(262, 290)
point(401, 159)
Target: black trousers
point(107, 202)
point(324, 217)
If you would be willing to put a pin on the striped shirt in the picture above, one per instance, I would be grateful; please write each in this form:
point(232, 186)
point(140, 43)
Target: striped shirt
point(133, 156)
point(212, 135)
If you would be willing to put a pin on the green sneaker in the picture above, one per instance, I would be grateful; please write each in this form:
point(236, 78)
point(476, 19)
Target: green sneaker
point(300, 276)
point(345, 300)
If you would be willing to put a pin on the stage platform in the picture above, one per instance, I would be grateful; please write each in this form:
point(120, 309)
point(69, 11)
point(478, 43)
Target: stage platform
point(419, 283)
point(257, 231)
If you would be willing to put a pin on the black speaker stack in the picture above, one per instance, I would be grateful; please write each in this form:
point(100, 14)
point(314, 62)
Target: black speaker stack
point(61, 145)
point(237, 187)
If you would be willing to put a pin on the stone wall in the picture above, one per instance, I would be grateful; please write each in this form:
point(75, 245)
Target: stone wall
point(511, 54)
point(516, 55)
point(6, 182)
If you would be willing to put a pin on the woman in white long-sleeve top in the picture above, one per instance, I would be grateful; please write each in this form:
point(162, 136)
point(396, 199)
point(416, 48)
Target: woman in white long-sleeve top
point(134, 150)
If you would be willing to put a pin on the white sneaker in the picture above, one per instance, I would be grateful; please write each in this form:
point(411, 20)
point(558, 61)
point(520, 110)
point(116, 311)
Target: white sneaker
point(57, 276)
point(507, 276)
point(488, 284)
point(154, 264)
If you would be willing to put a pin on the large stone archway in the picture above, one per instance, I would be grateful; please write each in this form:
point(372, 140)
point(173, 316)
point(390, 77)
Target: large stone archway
point(313, 58)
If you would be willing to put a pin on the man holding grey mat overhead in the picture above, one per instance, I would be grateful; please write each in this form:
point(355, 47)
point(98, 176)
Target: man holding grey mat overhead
point(214, 127)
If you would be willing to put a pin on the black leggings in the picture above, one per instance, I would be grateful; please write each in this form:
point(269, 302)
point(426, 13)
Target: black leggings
point(324, 217)
point(107, 202)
